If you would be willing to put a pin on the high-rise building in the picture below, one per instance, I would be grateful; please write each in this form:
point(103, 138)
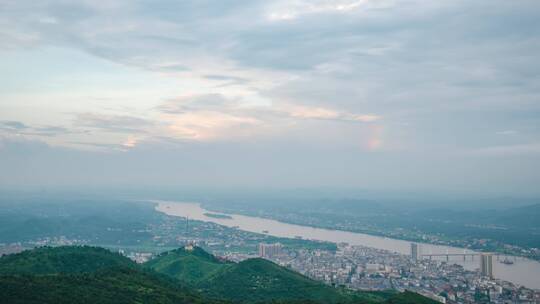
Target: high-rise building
point(416, 254)
point(486, 265)
point(269, 250)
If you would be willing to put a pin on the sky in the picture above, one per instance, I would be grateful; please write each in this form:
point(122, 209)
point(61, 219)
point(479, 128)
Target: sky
point(410, 95)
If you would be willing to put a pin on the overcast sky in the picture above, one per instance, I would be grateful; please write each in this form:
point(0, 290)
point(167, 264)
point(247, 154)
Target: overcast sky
point(400, 95)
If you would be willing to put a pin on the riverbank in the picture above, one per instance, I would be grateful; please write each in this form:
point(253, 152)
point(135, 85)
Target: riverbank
point(525, 272)
point(478, 244)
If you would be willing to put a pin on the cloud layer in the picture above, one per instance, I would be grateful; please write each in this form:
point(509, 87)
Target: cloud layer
point(400, 78)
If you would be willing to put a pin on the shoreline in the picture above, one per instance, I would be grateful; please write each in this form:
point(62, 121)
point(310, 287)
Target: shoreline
point(516, 274)
point(376, 234)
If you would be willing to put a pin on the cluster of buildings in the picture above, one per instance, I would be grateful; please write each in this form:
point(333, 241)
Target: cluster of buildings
point(11, 248)
point(486, 259)
point(355, 267)
point(139, 257)
point(270, 250)
point(364, 268)
point(61, 240)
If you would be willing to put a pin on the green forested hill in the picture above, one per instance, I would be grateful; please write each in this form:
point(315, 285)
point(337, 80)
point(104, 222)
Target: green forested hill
point(66, 259)
point(252, 280)
point(114, 286)
point(408, 297)
point(96, 275)
point(85, 275)
point(255, 281)
point(188, 266)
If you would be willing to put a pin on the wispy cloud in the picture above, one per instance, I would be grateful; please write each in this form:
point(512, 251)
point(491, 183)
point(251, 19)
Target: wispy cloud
point(346, 75)
point(507, 132)
point(12, 126)
point(216, 116)
point(19, 128)
point(113, 123)
point(508, 150)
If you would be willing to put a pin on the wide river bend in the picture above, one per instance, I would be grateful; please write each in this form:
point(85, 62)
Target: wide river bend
point(524, 272)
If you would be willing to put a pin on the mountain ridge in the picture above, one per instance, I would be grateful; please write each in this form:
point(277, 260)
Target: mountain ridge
point(85, 274)
point(258, 280)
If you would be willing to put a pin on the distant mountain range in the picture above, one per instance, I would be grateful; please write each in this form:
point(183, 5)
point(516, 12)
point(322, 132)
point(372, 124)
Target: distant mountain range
point(96, 275)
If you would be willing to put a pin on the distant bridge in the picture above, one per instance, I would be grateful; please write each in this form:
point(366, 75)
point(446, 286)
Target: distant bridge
point(464, 255)
point(448, 255)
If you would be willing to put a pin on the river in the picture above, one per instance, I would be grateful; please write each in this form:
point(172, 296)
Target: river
point(524, 272)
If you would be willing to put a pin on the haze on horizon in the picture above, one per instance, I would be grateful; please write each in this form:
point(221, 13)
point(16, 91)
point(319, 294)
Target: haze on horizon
point(435, 96)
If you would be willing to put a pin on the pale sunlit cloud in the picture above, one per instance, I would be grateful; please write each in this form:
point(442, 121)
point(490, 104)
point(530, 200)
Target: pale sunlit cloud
point(130, 142)
point(210, 125)
point(288, 10)
point(375, 139)
point(218, 117)
point(325, 114)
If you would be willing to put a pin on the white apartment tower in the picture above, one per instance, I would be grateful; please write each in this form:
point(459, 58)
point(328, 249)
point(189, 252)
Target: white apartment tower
point(269, 250)
point(416, 254)
point(486, 265)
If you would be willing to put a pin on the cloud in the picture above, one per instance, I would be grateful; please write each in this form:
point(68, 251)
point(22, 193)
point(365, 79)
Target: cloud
point(208, 125)
point(208, 117)
point(239, 105)
point(19, 128)
point(113, 123)
point(507, 132)
point(12, 126)
point(326, 114)
point(212, 116)
point(348, 74)
point(184, 104)
point(290, 10)
point(508, 150)
point(170, 67)
point(130, 142)
point(226, 78)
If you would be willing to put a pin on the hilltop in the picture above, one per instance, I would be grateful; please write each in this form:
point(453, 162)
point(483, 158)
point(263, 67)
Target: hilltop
point(65, 259)
point(256, 280)
point(188, 266)
point(85, 275)
point(252, 280)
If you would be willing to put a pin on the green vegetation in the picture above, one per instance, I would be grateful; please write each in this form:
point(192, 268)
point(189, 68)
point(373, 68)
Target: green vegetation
point(509, 230)
point(189, 266)
point(94, 221)
point(67, 259)
point(218, 215)
point(96, 275)
point(115, 285)
point(253, 280)
point(118, 224)
point(256, 280)
point(85, 275)
point(408, 297)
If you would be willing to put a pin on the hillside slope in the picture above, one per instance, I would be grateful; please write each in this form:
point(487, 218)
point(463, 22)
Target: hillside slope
point(85, 275)
point(96, 275)
point(408, 297)
point(114, 286)
point(65, 259)
point(261, 280)
point(188, 266)
point(253, 280)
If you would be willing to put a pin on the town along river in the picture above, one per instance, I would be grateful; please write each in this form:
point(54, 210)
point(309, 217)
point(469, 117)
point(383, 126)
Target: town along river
point(524, 272)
